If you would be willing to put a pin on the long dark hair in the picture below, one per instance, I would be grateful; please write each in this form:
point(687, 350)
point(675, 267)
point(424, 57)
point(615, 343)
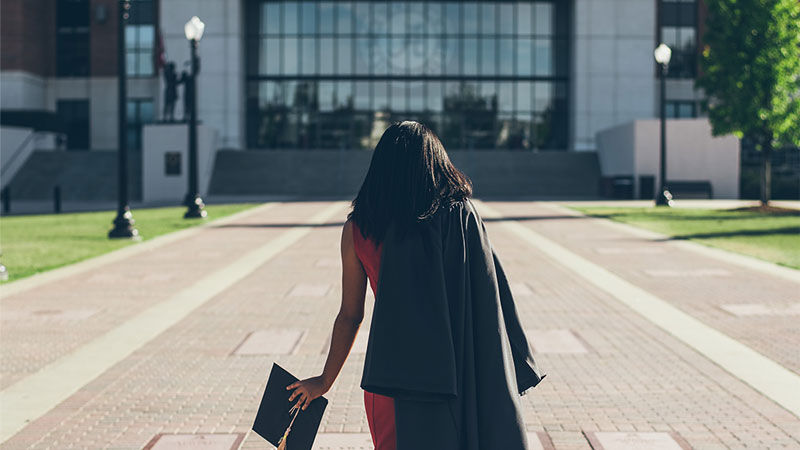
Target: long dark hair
point(410, 177)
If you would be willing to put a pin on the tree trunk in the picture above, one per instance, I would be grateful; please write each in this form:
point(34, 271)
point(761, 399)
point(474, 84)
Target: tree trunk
point(766, 172)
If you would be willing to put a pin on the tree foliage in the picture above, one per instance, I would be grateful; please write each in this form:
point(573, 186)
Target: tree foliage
point(751, 70)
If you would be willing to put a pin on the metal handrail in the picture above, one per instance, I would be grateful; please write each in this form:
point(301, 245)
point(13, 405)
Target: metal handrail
point(17, 152)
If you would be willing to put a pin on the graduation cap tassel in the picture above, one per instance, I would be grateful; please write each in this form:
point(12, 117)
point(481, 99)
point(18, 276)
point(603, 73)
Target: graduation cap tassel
point(282, 441)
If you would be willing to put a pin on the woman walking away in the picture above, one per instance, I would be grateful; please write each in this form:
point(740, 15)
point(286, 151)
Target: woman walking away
point(447, 360)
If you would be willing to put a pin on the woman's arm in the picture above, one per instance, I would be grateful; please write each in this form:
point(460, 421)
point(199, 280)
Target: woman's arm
point(351, 312)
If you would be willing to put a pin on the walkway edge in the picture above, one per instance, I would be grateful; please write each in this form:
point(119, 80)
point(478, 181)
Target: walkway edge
point(763, 374)
point(748, 262)
point(33, 396)
point(39, 279)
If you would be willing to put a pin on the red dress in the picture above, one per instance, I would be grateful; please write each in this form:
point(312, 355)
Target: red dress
point(380, 409)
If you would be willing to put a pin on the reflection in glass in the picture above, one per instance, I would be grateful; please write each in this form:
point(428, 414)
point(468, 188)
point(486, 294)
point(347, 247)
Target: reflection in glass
point(326, 56)
point(470, 18)
point(416, 18)
point(380, 56)
point(398, 59)
point(327, 92)
point(344, 95)
point(506, 54)
point(452, 60)
point(363, 54)
point(543, 18)
point(362, 17)
point(452, 15)
point(309, 53)
point(434, 18)
point(290, 18)
point(470, 56)
point(416, 96)
point(408, 56)
point(362, 96)
point(524, 18)
point(488, 53)
point(434, 56)
point(380, 18)
point(290, 52)
point(397, 17)
point(270, 18)
point(398, 96)
point(308, 14)
point(505, 96)
point(543, 57)
point(506, 18)
point(416, 56)
point(543, 96)
point(488, 19)
point(270, 59)
point(344, 16)
point(327, 17)
point(433, 96)
point(380, 95)
point(524, 56)
point(344, 56)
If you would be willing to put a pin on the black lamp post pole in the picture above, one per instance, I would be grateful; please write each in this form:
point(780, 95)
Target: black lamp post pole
point(193, 200)
point(123, 223)
point(662, 194)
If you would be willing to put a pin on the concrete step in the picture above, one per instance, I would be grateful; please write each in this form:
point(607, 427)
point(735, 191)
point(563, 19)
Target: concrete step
point(494, 173)
point(83, 176)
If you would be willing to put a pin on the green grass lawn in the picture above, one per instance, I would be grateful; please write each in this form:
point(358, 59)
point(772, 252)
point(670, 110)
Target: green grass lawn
point(772, 236)
point(37, 243)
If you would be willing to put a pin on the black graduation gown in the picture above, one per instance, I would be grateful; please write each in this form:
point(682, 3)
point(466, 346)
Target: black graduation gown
point(445, 341)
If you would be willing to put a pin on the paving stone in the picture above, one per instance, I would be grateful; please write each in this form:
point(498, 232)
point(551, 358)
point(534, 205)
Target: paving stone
point(555, 341)
point(696, 273)
point(343, 441)
point(760, 309)
point(49, 315)
point(521, 289)
point(604, 440)
point(186, 381)
point(539, 441)
point(646, 250)
point(275, 341)
point(309, 290)
point(195, 441)
point(328, 262)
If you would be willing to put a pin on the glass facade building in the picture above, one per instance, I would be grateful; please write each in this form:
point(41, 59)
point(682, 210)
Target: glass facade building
point(333, 74)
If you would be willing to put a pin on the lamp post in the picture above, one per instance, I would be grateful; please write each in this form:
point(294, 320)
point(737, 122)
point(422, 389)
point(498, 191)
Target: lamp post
point(194, 32)
point(663, 54)
point(123, 223)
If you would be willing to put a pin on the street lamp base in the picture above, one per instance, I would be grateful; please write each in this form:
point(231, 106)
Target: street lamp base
point(665, 199)
point(195, 210)
point(123, 226)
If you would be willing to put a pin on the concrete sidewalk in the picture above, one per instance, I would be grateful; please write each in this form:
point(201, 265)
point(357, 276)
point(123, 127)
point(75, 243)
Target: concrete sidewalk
point(227, 302)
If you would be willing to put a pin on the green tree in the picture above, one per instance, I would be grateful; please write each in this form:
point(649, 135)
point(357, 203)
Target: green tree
point(751, 74)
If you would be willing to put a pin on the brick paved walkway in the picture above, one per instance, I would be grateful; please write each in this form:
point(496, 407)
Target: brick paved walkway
point(609, 369)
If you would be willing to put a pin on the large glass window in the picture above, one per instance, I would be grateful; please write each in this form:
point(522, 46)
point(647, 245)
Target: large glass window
point(679, 31)
point(140, 112)
point(482, 74)
point(72, 30)
point(140, 35)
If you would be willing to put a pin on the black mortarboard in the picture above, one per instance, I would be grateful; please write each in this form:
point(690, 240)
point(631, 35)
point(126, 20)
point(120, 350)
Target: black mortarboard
point(275, 413)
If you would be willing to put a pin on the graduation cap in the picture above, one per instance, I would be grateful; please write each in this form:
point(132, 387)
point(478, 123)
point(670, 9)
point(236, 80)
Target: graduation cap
point(279, 422)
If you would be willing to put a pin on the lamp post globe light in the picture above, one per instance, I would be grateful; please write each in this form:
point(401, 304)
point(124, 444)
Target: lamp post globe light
point(663, 54)
point(123, 223)
point(194, 32)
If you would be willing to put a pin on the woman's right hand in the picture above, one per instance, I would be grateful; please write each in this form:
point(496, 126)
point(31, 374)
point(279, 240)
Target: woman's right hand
point(307, 390)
